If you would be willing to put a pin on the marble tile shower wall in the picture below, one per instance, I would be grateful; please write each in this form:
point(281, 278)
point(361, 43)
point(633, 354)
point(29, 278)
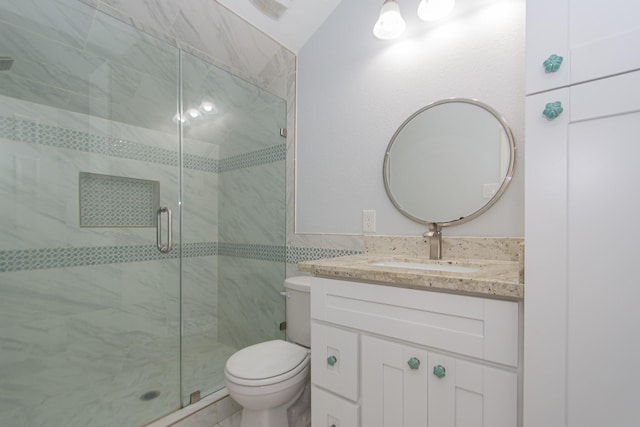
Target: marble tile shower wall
point(65, 287)
point(203, 28)
point(76, 306)
point(61, 144)
point(210, 31)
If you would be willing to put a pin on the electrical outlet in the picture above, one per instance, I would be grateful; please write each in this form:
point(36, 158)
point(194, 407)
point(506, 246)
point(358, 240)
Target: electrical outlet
point(488, 190)
point(368, 221)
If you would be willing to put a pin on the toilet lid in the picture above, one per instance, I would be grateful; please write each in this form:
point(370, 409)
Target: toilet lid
point(266, 360)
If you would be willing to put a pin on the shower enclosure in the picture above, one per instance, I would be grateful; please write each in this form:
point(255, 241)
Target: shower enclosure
point(104, 130)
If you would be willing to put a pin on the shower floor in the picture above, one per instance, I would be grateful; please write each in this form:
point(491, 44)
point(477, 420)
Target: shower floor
point(72, 396)
point(203, 366)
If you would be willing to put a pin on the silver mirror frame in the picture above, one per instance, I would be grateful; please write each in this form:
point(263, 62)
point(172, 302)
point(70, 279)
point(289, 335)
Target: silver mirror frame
point(486, 206)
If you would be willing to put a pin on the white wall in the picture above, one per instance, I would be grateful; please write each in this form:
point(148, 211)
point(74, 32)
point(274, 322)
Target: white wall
point(355, 90)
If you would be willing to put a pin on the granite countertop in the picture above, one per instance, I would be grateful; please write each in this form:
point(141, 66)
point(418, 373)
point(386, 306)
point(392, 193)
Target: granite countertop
point(496, 278)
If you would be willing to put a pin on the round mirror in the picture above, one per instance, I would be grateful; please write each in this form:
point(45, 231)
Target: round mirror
point(449, 162)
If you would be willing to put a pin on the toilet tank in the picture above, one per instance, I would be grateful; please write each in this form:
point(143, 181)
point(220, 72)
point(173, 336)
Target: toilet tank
point(298, 309)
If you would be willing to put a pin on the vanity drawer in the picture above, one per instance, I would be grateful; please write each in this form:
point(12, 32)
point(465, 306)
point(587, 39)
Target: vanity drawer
point(334, 360)
point(483, 328)
point(329, 409)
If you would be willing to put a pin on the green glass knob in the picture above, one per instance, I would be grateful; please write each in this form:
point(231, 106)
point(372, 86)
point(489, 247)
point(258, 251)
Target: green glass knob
point(439, 371)
point(414, 363)
point(552, 64)
point(552, 110)
point(331, 360)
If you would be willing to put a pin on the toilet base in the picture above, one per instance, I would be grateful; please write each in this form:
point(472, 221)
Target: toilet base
point(267, 418)
point(273, 417)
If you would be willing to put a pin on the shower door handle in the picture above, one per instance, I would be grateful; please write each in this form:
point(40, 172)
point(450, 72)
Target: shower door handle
point(163, 248)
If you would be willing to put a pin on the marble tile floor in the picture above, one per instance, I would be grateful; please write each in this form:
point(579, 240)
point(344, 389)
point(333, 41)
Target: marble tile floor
point(232, 421)
point(115, 400)
point(223, 413)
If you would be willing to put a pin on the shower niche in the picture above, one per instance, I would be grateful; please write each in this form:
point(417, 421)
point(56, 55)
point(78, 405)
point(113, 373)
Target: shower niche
point(117, 201)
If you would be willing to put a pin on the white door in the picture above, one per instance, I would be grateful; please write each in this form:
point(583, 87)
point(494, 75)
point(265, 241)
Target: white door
point(467, 394)
point(581, 330)
point(545, 300)
point(394, 384)
point(603, 281)
point(596, 39)
point(403, 386)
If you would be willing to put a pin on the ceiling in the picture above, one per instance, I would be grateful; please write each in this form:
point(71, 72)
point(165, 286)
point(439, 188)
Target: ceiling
point(294, 27)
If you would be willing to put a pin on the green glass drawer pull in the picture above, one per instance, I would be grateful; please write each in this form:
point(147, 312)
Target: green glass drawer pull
point(414, 363)
point(439, 371)
point(552, 110)
point(552, 64)
point(331, 360)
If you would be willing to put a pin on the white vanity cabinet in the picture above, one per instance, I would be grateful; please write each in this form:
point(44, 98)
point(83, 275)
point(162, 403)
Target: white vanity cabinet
point(595, 38)
point(404, 385)
point(394, 357)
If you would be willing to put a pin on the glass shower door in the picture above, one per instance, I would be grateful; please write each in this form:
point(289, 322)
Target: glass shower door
point(89, 307)
point(233, 208)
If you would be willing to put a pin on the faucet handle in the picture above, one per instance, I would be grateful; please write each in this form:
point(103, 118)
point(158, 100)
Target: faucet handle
point(435, 230)
point(434, 234)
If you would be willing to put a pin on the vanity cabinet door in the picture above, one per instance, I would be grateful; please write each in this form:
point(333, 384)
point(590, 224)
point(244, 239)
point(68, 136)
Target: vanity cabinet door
point(405, 386)
point(595, 38)
point(467, 394)
point(394, 393)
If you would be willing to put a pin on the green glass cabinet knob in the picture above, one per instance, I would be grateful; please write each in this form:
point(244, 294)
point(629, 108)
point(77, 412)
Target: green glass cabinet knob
point(552, 64)
point(553, 110)
point(439, 371)
point(331, 360)
point(414, 363)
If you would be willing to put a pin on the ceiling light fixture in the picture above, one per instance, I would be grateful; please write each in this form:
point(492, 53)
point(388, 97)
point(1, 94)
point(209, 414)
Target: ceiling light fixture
point(390, 23)
point(193, 114)
point(433, 10)
point(178, 118)
point(208, 107)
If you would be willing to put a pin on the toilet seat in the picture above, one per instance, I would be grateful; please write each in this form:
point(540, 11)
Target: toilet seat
point(266, 363)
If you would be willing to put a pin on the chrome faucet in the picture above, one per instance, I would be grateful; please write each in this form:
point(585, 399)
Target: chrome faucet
point(435, 240)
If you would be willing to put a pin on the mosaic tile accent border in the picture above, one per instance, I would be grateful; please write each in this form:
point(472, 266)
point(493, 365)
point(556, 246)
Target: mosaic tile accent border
point(38, 259)
point(254, 158)
point(258, 252)
point(36, 133)
point(200, 163)
point(297, 254)
point(54, 136)
point(191, 250)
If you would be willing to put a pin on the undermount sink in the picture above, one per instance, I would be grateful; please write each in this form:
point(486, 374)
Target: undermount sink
point(428, 266)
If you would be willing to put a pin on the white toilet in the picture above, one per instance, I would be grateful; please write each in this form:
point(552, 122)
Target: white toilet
point(267, 378)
